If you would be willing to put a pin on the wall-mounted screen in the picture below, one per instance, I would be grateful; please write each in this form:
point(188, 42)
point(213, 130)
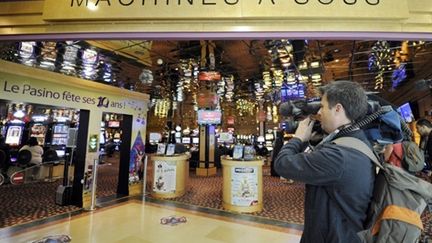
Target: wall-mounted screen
point(113, 124)
point(209, 76)
point(292, 92)
point(209, 117)
point(406, 112)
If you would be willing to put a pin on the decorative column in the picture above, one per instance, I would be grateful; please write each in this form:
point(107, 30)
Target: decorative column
point(209, 113)
point(208, 118)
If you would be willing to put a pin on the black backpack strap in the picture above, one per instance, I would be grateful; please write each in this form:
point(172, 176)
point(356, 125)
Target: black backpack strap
point(357, 144)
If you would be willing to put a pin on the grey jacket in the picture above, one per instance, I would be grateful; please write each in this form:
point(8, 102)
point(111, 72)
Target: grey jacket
point(339, 184)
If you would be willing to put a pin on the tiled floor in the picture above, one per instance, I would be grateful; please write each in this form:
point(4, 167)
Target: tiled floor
point(137, 221)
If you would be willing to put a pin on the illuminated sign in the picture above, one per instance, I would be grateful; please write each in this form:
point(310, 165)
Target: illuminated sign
point(209, 76)
point(209, 117)
point(113, 124)
point(93, 143)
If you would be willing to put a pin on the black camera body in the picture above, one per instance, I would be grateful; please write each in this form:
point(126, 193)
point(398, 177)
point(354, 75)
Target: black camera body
point(297, 110)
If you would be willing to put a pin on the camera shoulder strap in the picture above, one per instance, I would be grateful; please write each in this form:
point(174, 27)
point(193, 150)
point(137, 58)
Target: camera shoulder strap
point(358, 145)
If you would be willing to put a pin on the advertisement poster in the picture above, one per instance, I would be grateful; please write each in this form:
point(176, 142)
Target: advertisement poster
point(136, 166)
point(244, 186)
point(161, 148)
point(164, 177)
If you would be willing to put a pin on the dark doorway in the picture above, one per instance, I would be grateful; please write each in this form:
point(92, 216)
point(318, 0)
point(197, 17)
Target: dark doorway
point(79, 157)
point(123, 184)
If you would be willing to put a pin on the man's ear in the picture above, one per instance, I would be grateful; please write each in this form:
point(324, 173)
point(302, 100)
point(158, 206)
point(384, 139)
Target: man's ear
point(339, 107)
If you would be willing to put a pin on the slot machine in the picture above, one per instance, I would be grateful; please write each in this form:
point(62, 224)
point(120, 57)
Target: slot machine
point(186, 141)
point(269, 138)
point(178, 134)
point(14, 135)
point(14, 132)
point(195, 143)
point(102, 136)
point(39, 128)
point(114, 131)
point(60, 134)
point(60, 131)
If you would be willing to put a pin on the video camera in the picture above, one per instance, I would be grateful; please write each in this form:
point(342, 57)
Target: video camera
point(296, 110)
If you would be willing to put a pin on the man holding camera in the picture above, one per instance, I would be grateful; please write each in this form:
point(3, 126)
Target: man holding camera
point(339, 180)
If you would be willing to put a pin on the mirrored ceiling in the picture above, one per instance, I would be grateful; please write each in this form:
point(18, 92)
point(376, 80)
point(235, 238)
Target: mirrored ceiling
point(251, 70)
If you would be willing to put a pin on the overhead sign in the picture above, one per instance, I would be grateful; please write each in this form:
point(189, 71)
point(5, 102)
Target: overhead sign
point(209, 76)
point(55, 10)
point(209, 117)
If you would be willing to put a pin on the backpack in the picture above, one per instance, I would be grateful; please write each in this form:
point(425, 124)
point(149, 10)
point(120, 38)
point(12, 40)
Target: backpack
point(397, 203)
point(413, 158)
point(396, 154)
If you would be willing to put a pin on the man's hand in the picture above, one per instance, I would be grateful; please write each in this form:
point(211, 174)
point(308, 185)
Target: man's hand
point(304, 129)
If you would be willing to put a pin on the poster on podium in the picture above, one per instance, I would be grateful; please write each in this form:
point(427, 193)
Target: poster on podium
point(244, 188)
point(164, 177)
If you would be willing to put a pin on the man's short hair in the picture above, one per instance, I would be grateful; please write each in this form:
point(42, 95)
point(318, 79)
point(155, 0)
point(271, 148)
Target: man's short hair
point(350, 95)
point(424, 122)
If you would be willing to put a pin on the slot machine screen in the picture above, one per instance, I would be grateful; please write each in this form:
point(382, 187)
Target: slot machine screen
point(60, 153)
point(113, 123)
point(269, 136)
point(186, 140)
point(155, 137)
point(102, 138)
point(13, 135)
